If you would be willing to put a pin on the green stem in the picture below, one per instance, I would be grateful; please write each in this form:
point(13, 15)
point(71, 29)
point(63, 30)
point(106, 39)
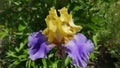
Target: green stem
point(63, 62)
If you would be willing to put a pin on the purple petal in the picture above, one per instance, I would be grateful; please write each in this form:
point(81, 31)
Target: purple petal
point(79, 49)
point(39, 46)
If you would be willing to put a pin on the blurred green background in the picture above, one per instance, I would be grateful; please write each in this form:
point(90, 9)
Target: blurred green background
point(100, 20)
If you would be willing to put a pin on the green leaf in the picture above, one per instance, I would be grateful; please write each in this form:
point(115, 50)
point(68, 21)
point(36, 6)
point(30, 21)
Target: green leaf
point(3, 32)
point(11, 54)
point(77, 8)
point(95, 39)
point(55, 64)
point(17, 49)
point(21, 27)
point(34, 65)
point(14, 64)
point(28, 64)
point(92, 56)
point(21, 46)
point(22, 57)
point(44, 63)
point(50, 55)
point(67, 60)
point(2, 35)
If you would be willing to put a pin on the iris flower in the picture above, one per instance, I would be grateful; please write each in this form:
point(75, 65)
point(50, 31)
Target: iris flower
point(62, 33)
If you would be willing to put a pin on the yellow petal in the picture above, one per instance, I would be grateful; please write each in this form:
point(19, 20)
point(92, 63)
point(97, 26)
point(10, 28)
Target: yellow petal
point(60, 29)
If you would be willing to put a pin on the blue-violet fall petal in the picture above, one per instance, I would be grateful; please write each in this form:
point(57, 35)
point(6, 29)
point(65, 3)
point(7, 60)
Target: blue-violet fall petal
point(39, 46)
point(79, 49)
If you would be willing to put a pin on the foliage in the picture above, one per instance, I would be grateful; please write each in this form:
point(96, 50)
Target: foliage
point(114, 43)
point(99, 19)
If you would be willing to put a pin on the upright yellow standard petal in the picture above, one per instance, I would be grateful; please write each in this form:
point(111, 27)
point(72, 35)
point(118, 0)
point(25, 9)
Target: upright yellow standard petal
point(60, 29)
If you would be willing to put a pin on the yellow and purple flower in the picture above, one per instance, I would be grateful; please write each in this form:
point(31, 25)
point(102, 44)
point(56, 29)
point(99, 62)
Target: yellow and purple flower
point(62, 33)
